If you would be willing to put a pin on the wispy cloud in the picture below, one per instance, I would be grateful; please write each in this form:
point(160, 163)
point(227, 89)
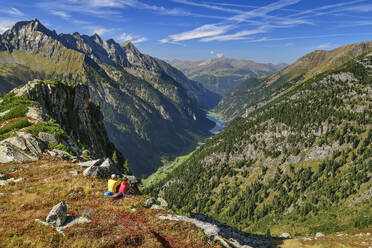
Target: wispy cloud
point(133, 38)
point(200, 32)
point(227, 30)
point(61, 14)
point(324, 46)
point(6, 24)
point(15, 12)
point(264, 39)
point(261, 19)
point(12, 12)
point(106, 8)
point(242, 35)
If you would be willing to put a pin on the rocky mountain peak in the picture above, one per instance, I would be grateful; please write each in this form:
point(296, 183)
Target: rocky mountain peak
point(129, 46)
point(28, 27)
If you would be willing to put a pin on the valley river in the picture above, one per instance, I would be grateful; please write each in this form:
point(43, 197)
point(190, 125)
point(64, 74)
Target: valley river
point(220, 124)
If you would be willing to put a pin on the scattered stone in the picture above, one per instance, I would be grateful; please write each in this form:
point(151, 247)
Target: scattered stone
point(61, 154)
point(105, 170)
point(70, 221)
point(11, 180)
point(156, 206)
point(133, 210)
point(149, 202)
point(44, 165)
point(74, 172)
point(3, 177)
point(75, 160)
point(57, 216)
point(285, 235)
point(319, 235)
point(5, 112)
point(163, 202)
point(48, 138)
point(307, 239)
point(21, 179)
point(90, 163)
point(131, 179)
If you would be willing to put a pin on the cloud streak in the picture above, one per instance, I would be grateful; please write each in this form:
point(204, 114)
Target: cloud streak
point(130, 37)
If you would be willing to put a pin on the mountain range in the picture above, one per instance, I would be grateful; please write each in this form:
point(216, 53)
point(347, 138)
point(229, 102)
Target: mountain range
point(151, 110)
point(296, 155)
point(251, 94)
point(221, 75)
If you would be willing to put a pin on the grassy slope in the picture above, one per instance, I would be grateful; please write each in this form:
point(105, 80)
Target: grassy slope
point(114, 224)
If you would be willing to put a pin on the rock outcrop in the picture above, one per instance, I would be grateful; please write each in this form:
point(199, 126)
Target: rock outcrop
point(214, 230)
point(104, 170)
point(57, 216)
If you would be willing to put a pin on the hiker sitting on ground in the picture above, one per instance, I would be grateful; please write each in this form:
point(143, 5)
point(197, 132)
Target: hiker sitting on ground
point(112, 185)
point(123, 190)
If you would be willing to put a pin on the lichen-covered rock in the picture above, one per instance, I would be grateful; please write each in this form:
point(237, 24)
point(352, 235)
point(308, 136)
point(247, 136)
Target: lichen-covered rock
point(149, 202)
point(10, 153)
point(319, 235)
point(33, 144)
point(90, 163)
point(57, 216)
point(48, 138)
point(163, 203)
point(105, 170)
point(15, 141)
point(61, 154)
point(285, 235)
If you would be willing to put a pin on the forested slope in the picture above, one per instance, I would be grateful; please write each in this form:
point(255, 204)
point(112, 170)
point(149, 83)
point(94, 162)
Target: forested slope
point(301, 163)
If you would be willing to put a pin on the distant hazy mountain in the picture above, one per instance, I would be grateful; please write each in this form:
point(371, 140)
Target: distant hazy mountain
point(221, 75)
point(151, 110)
point(245, 97)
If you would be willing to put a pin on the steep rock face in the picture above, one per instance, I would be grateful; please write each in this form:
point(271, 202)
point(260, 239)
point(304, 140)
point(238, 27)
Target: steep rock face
point(70, 121)
point(150, 113)
point(78, 116)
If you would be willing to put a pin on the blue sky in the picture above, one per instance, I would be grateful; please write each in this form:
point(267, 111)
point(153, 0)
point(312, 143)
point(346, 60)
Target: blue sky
point(261, 30)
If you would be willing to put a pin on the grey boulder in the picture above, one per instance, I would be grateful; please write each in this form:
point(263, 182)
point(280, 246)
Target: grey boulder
point(61, 154)
point(105, 170)
point(319, 235)
point(48, 138)
point(57, 216)
point(10, 153)
point(162, 202)
point(33, 144)
point(90, 163)
point(149, 202)
point(15, 141)
point(285, 235)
